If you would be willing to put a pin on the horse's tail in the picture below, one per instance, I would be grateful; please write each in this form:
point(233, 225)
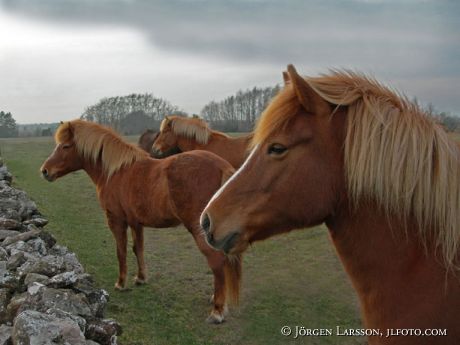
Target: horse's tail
point(232, 271)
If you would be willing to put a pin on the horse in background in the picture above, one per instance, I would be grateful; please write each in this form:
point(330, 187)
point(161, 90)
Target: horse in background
point(344, 150)
point(146, 140)
point(192, 133)
point(135, 190)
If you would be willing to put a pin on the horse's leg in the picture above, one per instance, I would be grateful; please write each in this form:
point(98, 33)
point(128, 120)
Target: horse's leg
point(118, 229)
point(137, 233)
point(216, 262)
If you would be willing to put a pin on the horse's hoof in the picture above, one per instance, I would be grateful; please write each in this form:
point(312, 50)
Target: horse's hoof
point(139, 281)
point(119, 287)
point(215, 318)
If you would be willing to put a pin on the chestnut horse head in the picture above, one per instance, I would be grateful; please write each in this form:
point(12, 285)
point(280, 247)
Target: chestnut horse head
point(65, 158)
point(146, 140)
point(293, 177)
point(79, 143)
point(175, 131)
point(328, 144)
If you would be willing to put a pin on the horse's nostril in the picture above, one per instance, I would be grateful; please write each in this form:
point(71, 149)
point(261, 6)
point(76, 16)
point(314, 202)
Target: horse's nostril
point(205, 223)
point(45, 172)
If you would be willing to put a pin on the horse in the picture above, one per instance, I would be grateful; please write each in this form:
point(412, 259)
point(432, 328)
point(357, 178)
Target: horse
point(192, 133)
point(146, 140)
point(136, 190)
point(345, 150)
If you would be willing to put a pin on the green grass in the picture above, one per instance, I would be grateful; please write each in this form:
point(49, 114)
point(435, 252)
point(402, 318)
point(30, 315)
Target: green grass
point(294, 279)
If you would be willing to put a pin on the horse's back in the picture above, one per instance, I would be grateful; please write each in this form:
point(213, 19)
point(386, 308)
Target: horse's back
point(193, 178)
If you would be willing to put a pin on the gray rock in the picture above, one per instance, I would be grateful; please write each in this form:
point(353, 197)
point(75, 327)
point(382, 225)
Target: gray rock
point(7, 233)
point(5, 297)
point(71, 263)
point(36, 278)
point(19, 246)
point(63, 279)
point(91, 342)
point(15, 204)
point(103, 331)
point(39, 246)
point(5, 174)
point(25, 236)
point(97, 298)
point(49, 239)
point(32, 327)
point(58, 250)
point(37, 221)
point(16, 260)
point(5, 335)
point(48, 265)
point(8, 279)
point(64, 299)
point(14, 305)
point(9, 224)
point(62, 314)
point(3, 254)
point(34, 288)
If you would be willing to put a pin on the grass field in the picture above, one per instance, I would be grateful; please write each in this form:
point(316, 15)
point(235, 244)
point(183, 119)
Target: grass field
point(292, 280)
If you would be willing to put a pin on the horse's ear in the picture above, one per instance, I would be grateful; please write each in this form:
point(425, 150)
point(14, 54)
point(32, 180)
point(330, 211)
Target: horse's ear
point(71, 129)
point(310, 100)
point(286, 78)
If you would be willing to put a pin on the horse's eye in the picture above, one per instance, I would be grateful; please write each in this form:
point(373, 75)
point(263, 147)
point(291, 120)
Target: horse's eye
point(66, 146)
point(276, 149)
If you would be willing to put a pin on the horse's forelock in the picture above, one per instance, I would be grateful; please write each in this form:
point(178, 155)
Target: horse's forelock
point(63, 133)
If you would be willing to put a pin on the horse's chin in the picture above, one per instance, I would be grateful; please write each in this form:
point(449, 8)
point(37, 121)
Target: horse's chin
point(231, 244)
point(50, 178)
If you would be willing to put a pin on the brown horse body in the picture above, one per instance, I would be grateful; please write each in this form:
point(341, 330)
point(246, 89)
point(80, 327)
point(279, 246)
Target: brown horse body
point(189, 134)
point(135, 190)
point(383, 178)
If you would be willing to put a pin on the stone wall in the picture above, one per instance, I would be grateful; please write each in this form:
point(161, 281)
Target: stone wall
point(45, 295)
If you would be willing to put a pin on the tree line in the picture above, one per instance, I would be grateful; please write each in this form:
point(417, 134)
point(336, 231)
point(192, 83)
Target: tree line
point(134, 113)
point(238, 112)
point(130, 114)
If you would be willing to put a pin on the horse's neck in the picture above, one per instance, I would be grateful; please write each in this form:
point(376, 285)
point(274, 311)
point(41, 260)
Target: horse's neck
point(400, 284)
point(95, 172)
point(232, 149)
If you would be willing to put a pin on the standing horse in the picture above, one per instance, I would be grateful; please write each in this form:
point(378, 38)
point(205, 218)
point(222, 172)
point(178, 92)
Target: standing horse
point(343, 150)
point(135, 190)
point(146, 141)
point(191, 133)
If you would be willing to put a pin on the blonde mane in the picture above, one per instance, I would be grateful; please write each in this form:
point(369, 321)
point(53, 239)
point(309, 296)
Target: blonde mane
point(188, 127)
point(395, 154)
point(94, 141)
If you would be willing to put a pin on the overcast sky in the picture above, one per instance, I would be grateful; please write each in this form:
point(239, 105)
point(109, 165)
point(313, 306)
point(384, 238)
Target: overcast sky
point(59, 56)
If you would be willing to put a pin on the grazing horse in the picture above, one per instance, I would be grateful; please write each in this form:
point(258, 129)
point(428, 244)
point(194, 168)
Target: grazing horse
point(146, 141)
point(344, 150)
point(191, 133)
point(135, 190)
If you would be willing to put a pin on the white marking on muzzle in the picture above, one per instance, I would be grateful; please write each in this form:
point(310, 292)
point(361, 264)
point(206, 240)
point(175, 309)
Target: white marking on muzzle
point(221, 189)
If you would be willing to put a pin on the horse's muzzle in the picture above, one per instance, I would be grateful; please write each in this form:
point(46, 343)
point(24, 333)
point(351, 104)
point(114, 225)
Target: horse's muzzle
point(46, 175)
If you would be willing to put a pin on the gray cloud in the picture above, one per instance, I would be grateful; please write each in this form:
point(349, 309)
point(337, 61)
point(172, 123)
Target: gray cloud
point(413, 44)
point(277, 31)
